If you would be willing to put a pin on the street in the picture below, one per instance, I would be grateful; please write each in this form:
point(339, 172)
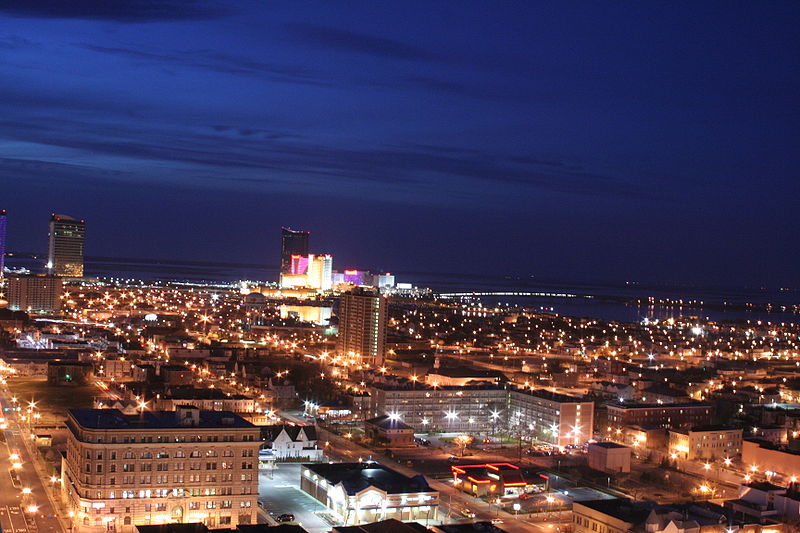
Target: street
point(23, 510)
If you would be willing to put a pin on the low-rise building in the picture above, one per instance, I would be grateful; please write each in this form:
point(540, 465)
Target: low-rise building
point(285, 442)
point(176, 375)
point(674, 415)
point(389, 431)
point(764, 456)
point(492, 479)
point(706, 442)
point(69, 373)
point(368, 492)
point(626, 516)
point(609, 457)
point(764, 500)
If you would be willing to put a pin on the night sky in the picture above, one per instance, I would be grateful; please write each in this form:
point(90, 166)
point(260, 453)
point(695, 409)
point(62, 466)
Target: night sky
point(565, 140)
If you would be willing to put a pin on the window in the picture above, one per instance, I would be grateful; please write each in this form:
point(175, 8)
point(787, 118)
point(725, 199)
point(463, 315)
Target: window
point(226, 504)
point(147, 467)
point(245, 504)
point(180, 454)
point(224, 520)
point(211, 504)
point(193, 506)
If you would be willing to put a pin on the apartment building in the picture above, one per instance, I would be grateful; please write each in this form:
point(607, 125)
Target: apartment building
point(706, 442)
point(559, 419)
point(447, 408)
point(534, 413)
point(676, 415)
point(159, 467)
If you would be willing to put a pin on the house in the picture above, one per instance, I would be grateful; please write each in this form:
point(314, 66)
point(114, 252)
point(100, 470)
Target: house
point(622, 516)
point(389, 431)
point(286, 442)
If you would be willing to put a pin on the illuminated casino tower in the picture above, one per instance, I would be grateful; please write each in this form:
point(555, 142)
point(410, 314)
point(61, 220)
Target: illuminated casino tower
point(2, 240)
point(362, 326)
point(293, 243)
point(65, 252)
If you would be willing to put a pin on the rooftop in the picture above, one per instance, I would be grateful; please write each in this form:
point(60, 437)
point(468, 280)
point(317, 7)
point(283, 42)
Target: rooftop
point(607, 445)
point(115, 419)
point(384, 526)
point(387, 422)
point(356, 477)
point(624, 405)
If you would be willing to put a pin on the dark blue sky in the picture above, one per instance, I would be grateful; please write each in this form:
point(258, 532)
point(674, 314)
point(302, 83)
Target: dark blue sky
point(616, 140)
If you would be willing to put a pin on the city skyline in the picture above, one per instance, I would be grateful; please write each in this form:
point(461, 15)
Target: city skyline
point(563, 141)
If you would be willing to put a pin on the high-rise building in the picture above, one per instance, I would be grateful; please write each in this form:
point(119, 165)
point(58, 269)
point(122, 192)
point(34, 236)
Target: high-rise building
point(65, 253)
point(34, 293)
point(320, 271)
point(2, 240)
point(362, 326)
point(293, 242)
point(159, 467)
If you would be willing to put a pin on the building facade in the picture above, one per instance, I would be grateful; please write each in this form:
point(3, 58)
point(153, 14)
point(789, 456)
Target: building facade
point(363, 316)
point(159, 467)
point(446, 409)
point(676, 415)
point(366, 492)
point(66, 246)
point(293, 242)
point(559, 419)
point(706, 442)
point(38, 294)
point(538, 414)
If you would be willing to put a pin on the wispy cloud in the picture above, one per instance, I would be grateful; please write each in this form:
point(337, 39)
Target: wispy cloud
point(125, 11)
point(362, 43)
point(217, 63)
point(15, 42)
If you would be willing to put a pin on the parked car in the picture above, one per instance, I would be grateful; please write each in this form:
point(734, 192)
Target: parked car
point(285, 517)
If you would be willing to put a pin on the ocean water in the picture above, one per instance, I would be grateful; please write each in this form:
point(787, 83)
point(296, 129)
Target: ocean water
point(606, 301)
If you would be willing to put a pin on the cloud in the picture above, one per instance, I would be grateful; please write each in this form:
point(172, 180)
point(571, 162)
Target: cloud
point(218, 63)
point(125, 11)
point(15, 42)
point(362, 43)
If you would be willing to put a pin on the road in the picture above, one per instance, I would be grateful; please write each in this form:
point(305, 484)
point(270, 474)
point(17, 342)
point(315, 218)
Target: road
point(279, 492)
point(15, 512)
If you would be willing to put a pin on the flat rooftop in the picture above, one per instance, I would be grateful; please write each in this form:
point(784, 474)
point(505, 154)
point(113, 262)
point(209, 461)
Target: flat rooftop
point(115, 419)
point(356, 477)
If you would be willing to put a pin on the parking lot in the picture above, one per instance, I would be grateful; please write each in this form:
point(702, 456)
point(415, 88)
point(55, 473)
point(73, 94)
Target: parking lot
point(279, 493)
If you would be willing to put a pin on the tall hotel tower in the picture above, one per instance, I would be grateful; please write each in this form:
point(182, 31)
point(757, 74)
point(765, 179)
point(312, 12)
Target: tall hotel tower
point(65, 256)
point(362, 326)
point(293, 242)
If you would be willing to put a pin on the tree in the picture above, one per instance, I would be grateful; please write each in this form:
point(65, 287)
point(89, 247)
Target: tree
point(462, 441)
